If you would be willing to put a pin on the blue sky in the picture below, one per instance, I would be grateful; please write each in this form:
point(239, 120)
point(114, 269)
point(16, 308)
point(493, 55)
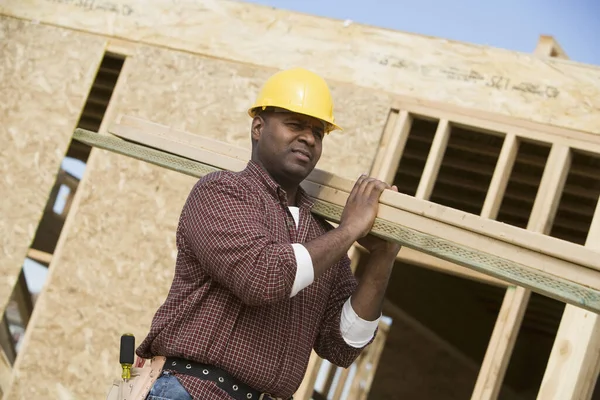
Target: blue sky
point(509, 24)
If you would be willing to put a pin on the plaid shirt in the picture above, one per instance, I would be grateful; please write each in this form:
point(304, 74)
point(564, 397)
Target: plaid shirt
point(229, 304)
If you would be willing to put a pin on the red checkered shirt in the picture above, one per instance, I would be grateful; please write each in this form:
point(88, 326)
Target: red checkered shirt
point(229, 304)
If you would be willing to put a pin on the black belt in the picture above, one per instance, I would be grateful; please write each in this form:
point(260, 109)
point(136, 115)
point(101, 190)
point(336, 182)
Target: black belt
point(236, 389)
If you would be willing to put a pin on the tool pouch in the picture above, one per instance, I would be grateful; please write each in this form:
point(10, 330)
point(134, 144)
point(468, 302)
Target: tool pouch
point(138, 386)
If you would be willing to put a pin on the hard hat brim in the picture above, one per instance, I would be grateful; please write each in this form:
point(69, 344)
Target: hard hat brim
point(330, 125)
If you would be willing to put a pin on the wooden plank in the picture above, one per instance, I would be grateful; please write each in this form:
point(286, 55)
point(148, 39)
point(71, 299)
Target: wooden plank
point(190, 145)
point(40, 256)
point(557, 278)
point(182, 144)
point(393, 152)
point(434, 160)
point(551, 187)
point(574, 362)
point(548, 46)
point(502, 172)
point(384, 142)
point(510, 316)
point(515, 84)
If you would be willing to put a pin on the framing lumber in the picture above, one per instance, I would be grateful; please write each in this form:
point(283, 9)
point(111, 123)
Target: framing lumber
point(381, 59)
point(574, 362)
point(193, 146)
point(515, 301)
point(564, 279)
point(547, 46)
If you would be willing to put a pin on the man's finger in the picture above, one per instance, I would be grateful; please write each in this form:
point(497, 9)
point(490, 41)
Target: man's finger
point(357, 186)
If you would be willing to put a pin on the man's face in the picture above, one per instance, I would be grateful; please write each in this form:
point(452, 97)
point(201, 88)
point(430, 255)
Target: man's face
point(288, 145)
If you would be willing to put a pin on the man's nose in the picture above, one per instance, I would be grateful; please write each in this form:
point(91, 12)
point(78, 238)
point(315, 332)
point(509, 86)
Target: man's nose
point(307, 136)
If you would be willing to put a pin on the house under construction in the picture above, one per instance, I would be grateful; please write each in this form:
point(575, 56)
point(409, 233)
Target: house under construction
point(501, 135)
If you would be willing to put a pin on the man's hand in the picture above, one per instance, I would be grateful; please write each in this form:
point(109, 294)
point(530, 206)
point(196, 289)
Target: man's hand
point(362, 205)
point(356, 222)
point(373, 244)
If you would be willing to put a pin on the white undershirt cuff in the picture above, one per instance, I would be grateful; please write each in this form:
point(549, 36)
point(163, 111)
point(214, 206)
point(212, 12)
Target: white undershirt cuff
point(305, 274)
point(356, 331)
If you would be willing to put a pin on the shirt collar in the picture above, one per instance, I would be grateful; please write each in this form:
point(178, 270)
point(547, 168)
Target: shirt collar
point(256, 171)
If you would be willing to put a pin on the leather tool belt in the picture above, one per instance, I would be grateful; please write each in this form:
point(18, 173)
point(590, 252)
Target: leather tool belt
point(236, 389)
point(138, 386)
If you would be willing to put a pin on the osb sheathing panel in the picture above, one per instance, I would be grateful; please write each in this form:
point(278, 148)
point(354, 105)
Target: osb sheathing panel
point(118, 256)
point(45, 75)
point(558, 92)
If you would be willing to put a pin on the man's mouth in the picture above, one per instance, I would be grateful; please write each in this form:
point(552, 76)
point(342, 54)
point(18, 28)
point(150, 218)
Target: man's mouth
point(303, 153)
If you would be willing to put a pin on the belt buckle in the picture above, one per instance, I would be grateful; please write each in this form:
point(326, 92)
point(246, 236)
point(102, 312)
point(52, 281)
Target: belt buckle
point(267, 396)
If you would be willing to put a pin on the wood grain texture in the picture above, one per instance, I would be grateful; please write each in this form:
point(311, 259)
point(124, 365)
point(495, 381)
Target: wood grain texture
point(554, 91)
point(45, 76)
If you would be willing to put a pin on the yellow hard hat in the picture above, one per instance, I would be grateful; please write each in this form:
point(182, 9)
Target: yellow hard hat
point(298, 90)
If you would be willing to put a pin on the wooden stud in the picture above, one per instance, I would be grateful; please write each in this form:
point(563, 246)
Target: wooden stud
point(515, 301)
point(393, 152)
point(434, 160)
point(504, 167)
point(384, 143)
point(40, 256)
point(574, 362)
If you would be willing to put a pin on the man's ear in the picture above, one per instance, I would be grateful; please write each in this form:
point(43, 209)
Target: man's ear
point(258, 123)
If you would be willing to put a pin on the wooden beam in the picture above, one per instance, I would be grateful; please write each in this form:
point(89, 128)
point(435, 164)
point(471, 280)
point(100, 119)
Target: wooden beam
point(482, 239)
point(515, 301)
point(547, 46)
point(574, 362)
point(434, 160)
point(388, 132)
point(40, 256)
point(211, 151)
point(393, 152)
point(497, 188)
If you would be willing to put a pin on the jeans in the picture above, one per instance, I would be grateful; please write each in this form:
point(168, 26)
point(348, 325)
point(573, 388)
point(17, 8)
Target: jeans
point(167, 387)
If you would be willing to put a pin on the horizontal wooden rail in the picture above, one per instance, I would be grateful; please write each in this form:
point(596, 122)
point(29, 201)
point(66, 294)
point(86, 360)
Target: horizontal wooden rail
point(421, 225)
point(204, 149)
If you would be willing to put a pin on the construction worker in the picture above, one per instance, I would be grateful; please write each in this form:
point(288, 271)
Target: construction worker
point(259, 280)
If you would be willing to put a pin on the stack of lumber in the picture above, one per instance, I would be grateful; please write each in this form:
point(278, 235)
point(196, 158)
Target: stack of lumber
point(559, 269)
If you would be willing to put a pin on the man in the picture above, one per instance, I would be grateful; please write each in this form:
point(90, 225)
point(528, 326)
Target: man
point(259, 280)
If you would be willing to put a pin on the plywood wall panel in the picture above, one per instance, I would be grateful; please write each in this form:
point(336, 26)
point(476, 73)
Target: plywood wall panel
point(210, 97)
point(554, 91)
point(45, 76)
point(118, 255)
point(111, 275)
